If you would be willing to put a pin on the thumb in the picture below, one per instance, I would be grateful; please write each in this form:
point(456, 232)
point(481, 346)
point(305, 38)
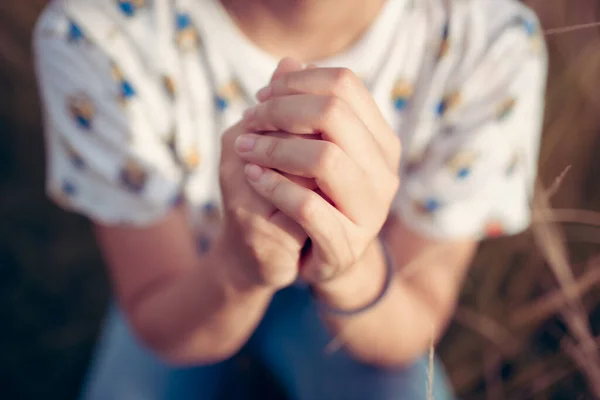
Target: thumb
point(286, 66)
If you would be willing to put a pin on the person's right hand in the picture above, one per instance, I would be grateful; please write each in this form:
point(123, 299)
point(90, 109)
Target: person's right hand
point(258, 245)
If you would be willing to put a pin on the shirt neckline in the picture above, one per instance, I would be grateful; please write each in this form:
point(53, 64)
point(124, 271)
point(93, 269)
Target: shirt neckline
point(254, 66)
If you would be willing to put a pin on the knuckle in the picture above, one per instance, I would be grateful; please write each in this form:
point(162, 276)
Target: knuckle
point(331, 108)
point(270, 106)
point(325, 272)
point(271, 112)
point(344, 79)
point(350, 259)
point(272, 149)
point(286, 81)
point(238, 213)
point(345, 261)
point(329, 158)
point(252, 233)
point(272, 185)
point(249, 239)
point(308, 209)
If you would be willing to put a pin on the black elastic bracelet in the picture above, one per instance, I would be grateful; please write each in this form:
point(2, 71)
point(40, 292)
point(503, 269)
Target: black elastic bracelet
point(338, 312)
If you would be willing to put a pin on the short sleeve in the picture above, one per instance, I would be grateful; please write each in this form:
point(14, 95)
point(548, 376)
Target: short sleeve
point(474, 178)
point(106, 157)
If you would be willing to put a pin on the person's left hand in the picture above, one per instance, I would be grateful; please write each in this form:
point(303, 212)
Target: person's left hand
point(354, 162)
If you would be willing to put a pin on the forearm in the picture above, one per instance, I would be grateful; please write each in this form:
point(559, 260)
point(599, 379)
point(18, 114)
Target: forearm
point(201, 316)
point(396, 331)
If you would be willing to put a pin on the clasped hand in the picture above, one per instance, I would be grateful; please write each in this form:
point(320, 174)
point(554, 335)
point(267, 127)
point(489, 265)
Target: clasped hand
point(322, 125)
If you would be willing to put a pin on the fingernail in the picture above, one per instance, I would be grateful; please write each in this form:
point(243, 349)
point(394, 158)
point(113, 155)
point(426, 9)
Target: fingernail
point(253, 172)
point(264, 93)
point(245, 143)
point(250, 113)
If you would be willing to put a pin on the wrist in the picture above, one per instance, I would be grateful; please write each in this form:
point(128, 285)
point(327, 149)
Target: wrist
point(360, 285)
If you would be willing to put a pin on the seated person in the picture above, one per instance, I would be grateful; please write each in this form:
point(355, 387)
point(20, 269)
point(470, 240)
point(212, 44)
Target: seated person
point(245, 203)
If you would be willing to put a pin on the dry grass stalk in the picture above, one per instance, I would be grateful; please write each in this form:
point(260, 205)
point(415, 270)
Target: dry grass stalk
point(553, 302)
point(552, 190)
point(552, 244)
point(487, 327)
point(571, 28)
point(578, 216)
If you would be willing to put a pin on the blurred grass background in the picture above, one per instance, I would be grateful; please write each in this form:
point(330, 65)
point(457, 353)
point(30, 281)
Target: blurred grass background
point(517, 333)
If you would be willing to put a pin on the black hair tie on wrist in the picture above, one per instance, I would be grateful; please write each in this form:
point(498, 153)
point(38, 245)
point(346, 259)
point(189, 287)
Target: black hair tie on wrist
point(338, 312)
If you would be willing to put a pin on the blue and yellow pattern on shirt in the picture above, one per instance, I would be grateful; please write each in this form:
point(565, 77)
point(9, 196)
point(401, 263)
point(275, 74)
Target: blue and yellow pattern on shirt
point(401, 94)
point(82, 110)
point(169, 86)
point(461, 164)
point(427, 206)
point(75, 33)
point(506, 108)
point(187, 37)
point(130, 8)
point(227, 94)
point(133, 177)
point(444, 41)
point(448, 103)
point(76, 159)
point(125, 88)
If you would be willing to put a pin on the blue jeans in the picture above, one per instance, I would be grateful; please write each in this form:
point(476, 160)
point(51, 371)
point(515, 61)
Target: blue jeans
point(290, 341)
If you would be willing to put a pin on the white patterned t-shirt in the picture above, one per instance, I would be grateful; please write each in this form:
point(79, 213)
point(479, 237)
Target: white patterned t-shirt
point(136, 94)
